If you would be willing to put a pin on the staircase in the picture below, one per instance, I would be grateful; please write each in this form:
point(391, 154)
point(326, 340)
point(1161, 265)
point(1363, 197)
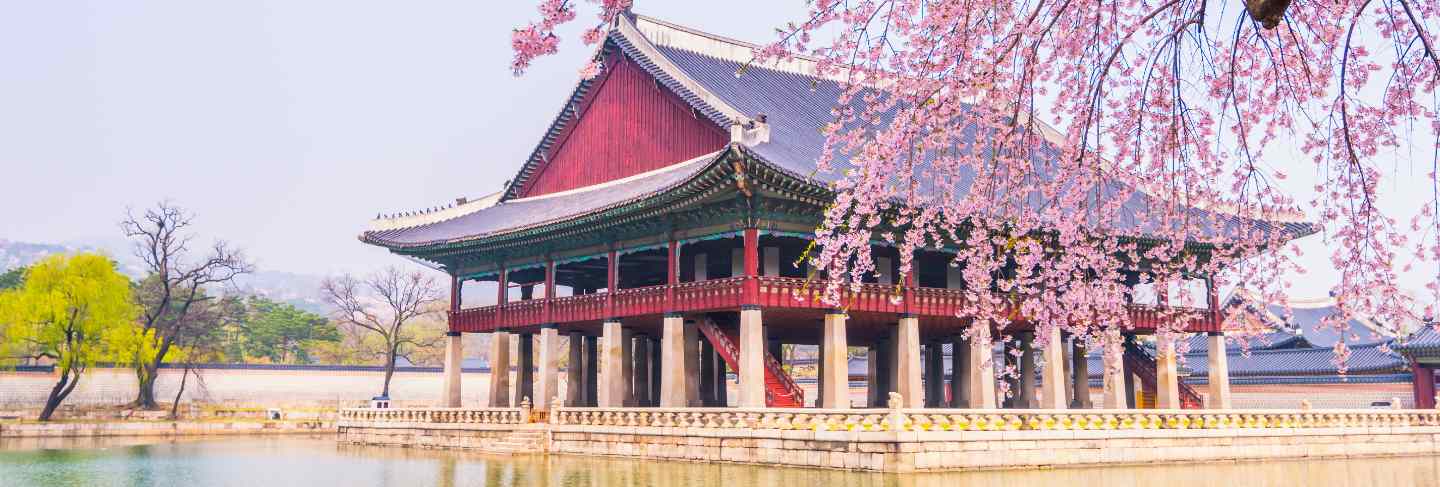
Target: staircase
point(780, 390)
point(1139, 361)
point(520, 442)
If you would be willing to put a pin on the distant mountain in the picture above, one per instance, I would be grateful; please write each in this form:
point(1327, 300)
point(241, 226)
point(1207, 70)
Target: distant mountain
point(301, 290)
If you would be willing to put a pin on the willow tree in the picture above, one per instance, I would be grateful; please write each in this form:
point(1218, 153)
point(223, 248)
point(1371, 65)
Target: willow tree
point(71, 309)
point(946, 133)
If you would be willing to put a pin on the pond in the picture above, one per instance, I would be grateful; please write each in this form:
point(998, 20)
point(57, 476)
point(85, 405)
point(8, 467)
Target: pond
point(287, 461)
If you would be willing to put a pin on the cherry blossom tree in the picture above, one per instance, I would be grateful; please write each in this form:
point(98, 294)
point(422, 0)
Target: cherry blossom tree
point(1171, 115)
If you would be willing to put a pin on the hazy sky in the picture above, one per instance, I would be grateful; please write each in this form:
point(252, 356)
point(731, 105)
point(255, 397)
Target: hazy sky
point(286, 125)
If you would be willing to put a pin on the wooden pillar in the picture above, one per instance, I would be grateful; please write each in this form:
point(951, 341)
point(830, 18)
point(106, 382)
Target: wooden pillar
point(549, 310)
point(525, 373)
point(707, 374)
point(1422, 379)
point(751, 287)
point(1219, 372)
point(499, 369)
point(907, 361)
point(1080, 369)
point(982, 369)
point(547, 388)
point(592, 371)
point(612, 279)
point(1054, 373)
point(613, 365)
point(672, 274)
point(752, 357)
point(959, 372)
point(834, 363)
point(454, 360)
point(1167, 377)
point(575, 372)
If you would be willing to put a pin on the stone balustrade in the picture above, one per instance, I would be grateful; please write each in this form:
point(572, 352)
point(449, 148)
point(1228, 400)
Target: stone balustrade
point(437, 415)
point(988, 420)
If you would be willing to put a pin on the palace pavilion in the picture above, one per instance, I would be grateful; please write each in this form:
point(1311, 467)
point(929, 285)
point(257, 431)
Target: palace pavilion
point(658, 226)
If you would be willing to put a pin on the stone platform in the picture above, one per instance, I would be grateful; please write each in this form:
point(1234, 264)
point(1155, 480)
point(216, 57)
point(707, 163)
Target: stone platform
point(908, 440)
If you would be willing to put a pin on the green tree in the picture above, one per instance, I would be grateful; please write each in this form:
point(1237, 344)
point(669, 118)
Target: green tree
point(12, 278)
point(73, 309)
point(283, 333)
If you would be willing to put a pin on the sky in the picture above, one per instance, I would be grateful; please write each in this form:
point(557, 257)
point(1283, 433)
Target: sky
point(284, 126)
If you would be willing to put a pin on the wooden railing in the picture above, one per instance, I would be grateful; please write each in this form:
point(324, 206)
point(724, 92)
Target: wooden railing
point(774, 292)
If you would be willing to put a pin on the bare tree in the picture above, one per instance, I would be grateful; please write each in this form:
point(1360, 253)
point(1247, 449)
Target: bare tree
point(173, 286)
point(382, 304)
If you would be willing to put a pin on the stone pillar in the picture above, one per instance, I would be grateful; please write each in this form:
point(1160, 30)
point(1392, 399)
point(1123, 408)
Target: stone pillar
point(613, 365)
point(935, 375)
point(499, 369)
point(722, 381)
point(673, 383)
point(834, 363)
point(820, 369)
point(982, 369)
point(1054, 381)
point(874, 386)
point(547, 388)
point(525, 369)
point(690, 357)
point(959, 372)
point(907, 361)
point(1167, 376)
point(454, 360)
point(641, 352)
point(1113, 357)
point(592, 371)
point(1219, 368)
point(575, 371)
point(627, 366)
point(1026, 398)
point(707, 374)
point(1080, 368)
point(752, 358)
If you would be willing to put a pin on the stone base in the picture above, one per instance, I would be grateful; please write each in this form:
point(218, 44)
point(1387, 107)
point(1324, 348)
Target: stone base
point(910, 451)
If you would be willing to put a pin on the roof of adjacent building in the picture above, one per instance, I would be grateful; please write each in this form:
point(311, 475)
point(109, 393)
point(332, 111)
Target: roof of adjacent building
point(705, 70)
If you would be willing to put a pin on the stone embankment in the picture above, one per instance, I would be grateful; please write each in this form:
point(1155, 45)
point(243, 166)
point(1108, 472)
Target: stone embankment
point(908, 440)
point(79, 429)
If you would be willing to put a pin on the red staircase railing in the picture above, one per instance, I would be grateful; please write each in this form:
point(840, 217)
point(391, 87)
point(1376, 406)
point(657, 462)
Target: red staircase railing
point(1142, 363)
point(780, 390)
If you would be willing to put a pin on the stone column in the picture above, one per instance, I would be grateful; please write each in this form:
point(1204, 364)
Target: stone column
point(673, 387)
point(874, 386)
point(982, 369)
point(1054, 380)
point(1080, 368)
point(575, 371)
point(1219, 368)
point(454, 359)
point(935, 375)
point(547, 388)
point(707, 374)
point(959, 372)
point(656, 365)
point(592, 371)
point(613, 365)
point(722, 381)
point(1026, 398)
point(752, 358)
point(820, 369)
point(499, 369)
point(907, 363)
point(834, 363)
point(1113, 356)
point(525, 369)
point(690, 356)
point(641, 352)
point(1167, 377)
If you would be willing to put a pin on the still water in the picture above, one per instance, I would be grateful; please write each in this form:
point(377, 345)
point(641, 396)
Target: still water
point(276, 462)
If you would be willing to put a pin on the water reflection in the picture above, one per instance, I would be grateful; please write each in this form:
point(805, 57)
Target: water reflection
point(275, 462)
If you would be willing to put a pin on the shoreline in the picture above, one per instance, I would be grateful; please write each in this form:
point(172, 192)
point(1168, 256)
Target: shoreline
point(161, 428)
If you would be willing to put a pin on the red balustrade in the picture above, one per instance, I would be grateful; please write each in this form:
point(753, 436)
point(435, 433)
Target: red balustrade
point(773, 292)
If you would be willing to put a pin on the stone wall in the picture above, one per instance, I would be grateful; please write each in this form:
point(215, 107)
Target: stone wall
point(159, 428)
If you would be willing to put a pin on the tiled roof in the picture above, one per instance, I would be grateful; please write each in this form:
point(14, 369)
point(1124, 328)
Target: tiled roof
point(1426, 341)
point(522, 213)
point(702, 69)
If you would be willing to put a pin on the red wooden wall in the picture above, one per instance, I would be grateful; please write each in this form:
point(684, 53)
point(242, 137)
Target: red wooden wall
point(628, 125)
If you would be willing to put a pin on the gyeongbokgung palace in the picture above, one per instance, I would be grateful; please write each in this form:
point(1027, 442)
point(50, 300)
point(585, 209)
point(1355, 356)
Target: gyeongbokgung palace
point(659, 225)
